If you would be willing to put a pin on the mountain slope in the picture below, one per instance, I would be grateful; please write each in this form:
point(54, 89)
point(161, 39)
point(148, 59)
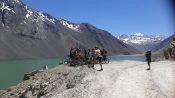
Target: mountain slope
point(162, 45)
point(27, 33)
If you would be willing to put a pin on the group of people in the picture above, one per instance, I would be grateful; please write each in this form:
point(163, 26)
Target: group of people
point(88, 55)
point(95, 54)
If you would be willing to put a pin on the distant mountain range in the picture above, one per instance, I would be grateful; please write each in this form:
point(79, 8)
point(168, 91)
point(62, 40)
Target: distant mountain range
point(28, 33)
point(141, 41)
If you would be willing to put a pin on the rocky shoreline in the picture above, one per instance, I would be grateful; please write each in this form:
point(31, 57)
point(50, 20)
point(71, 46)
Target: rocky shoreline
point(45, 83)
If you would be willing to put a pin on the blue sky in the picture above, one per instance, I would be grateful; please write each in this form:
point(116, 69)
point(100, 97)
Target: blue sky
point(115, 16)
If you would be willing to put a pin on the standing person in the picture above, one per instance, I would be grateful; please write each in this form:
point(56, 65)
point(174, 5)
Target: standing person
point(148, 59)
point(77, 55)
point(91, 57)
point(98, 57)
point(85, 56)
point(72, 55)
point(77, 50)
point(89, 53)
point(104, 55)
point(72, 52)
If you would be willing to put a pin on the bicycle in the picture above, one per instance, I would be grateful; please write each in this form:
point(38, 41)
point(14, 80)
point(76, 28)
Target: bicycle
point(105, 60)
point(66, 60)
point(94, 61)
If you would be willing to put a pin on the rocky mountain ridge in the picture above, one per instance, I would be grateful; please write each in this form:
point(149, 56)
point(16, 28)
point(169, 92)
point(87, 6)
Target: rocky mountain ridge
point(28, 33)
point(165, 43)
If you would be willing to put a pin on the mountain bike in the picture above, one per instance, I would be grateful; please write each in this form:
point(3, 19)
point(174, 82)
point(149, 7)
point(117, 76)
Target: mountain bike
point(66, 60)
point(105, 60)
point(94, 61)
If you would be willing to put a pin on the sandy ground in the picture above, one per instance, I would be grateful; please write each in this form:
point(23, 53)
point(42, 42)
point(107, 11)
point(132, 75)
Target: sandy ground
point(126, 79)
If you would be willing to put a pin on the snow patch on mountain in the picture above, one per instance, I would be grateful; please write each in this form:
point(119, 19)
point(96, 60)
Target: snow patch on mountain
point(140, 38)
point(5, 7)
point(44, 18)
point(138, 34)
point(70, 25)
point(40, 16)
point(17, 1)
point(139, 41)
point(29, 12)
point(25, 22)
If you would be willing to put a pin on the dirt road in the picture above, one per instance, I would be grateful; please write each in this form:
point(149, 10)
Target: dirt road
point(127, 79)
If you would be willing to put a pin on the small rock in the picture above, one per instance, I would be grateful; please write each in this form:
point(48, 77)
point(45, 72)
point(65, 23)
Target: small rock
point(11, 94)
point(70, 85)
point(10, 89)
point(28, 75)
point(65, 74)
point(2, 92)
point(41, 93)
point(28, 95)
point(45, 67)
point(45, 84)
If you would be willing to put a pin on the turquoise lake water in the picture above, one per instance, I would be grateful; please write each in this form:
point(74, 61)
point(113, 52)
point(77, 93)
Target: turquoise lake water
point(12, 71)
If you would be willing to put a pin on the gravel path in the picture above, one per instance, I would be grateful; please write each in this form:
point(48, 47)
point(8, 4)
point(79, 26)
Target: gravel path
point(126, 79)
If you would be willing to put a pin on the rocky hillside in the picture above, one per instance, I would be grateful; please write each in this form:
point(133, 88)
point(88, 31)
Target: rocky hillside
point(141, 41)
point(165, 49)
point(164, 44)
point(169, 50)
point(46, 83)
point(28, 33)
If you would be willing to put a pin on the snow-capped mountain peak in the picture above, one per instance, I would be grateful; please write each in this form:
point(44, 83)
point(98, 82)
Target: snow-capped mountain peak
point(141, 41)
point(70, 25)
point(138, 34)
point(140, 38)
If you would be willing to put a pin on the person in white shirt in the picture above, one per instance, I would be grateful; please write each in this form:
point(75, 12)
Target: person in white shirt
point(98, 57)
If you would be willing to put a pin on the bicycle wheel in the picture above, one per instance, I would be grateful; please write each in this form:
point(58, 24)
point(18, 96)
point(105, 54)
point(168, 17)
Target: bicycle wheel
point(91, 64)
point(107, 61)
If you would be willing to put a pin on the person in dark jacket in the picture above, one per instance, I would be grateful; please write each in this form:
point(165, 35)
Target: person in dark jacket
point(85, 56)
point(72, 53)
point(148, 59)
